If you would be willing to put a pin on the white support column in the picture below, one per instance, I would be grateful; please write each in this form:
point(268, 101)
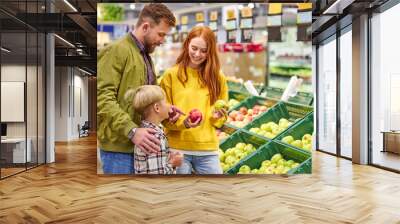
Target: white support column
point(50, 109)
point(360, 90)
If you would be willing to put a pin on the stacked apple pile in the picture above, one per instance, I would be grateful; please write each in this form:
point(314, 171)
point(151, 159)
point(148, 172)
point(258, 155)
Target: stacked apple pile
point(244, 116)
point(305, 142)
point(233, 155)
point(271, 129)
point(232, 103)
point(277, 165)
point(221, 135)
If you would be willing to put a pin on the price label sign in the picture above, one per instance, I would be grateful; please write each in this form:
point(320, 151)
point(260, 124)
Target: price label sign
point(214, 16)
point(246, 12)
point(230, 14)
point(184, 20)
point(199, 17)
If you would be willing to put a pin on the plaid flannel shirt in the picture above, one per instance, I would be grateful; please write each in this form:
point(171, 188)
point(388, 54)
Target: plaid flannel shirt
point(154, 163)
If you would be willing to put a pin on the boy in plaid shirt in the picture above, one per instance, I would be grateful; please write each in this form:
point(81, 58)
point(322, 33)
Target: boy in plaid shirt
point(149, 100)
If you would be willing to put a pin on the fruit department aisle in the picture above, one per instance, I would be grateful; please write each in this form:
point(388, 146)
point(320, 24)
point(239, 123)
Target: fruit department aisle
point(70, 191)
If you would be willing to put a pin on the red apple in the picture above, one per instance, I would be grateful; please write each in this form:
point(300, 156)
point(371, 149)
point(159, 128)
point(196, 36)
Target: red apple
point(263, 108)
point(256, 107)
point(243, 110)
point(233, 114)
point(194, 115)
point(239, 117)
point(256, 111)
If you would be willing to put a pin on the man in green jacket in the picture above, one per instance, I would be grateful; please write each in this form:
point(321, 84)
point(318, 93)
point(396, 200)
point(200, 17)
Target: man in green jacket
point(123, 65)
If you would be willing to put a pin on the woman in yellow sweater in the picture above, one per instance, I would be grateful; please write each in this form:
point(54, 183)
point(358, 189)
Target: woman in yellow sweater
point(195, 82)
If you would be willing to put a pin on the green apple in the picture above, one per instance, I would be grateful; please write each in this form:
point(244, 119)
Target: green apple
point(262, 170)
point(265, 127)
point(284, 123)
point(237, 151)
point(230, 160)
point(240, 145)
point(286, 169)
point(248, 148)
point(229, 152)
point(279, 169)
point(288, 139)
point(273, 125)
point(261, 132)
point(294, 165)
point(307, 138)
point(225, 167)
point(254, 130)
point(275, 158)
point(289, 163)
point(220, 104)
point(266, 163)
point(240, 155)
point(275, 130)
point(307, 147)
point(244, 169)
point(281, 162)
point(269, 135)
point(297, 143)
point(269, 170)
point(254, 171)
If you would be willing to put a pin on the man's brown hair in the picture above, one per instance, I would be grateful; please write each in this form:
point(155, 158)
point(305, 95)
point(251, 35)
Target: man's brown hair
point(156, 12)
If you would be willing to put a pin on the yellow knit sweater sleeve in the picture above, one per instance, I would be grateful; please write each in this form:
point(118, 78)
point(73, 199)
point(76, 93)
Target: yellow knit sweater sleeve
point(189, 96)
point(166, 85)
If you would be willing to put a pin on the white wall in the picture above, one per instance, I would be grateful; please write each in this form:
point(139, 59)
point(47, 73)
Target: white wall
point(69, 85)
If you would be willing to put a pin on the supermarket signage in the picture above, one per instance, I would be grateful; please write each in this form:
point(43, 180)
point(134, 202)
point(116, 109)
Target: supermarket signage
point(246, 23)
point(274, 20)
point(214, 16)
point(274, 8)
point(184, 20)
point(304, 7)
point(230, 14)
point(246, 12)
point(304, 17)
point(231, 25)
point(213, 25)
point(199, 17)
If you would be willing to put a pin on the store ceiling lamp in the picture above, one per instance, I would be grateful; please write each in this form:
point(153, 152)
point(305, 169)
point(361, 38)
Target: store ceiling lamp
point(337, 7)
point(70, 5)
point(64, 40)
point(5, 50)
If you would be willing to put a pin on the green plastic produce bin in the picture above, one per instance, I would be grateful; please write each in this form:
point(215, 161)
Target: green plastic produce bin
point(242, 136)
point(268, 150)
point(298, 130)
point(290, 111)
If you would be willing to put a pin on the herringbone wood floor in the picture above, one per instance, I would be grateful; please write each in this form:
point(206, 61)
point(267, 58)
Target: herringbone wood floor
point(70, 191)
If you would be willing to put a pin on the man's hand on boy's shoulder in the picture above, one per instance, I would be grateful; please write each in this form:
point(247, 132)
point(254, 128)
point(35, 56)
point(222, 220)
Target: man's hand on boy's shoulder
point(146, 140)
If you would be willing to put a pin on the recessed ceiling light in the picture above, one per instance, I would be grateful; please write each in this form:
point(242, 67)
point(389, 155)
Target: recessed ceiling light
point(64, 40)
point(70, 5)
point(5, 49)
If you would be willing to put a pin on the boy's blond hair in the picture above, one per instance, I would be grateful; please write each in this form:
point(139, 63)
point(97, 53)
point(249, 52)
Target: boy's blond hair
point(144, 96)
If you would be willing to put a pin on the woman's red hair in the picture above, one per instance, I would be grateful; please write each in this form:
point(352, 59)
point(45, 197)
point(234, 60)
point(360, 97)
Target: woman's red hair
point(209, 69)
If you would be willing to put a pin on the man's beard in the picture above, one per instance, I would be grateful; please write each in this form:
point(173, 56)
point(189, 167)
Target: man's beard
point(148, 47)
